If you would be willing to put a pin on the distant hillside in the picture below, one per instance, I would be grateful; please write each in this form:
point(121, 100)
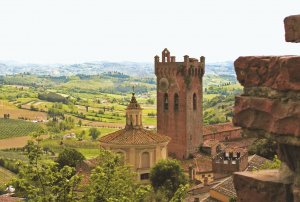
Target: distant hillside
point(94, 68)
point(220, 68)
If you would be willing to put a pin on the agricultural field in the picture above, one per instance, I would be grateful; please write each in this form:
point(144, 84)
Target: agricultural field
point(15, 128)
point(16, 142)
point(90, 149)
point(17, 113)
point(5, 176)
point(101, 102)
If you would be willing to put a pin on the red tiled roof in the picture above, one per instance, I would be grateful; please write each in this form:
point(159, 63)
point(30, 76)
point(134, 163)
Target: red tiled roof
point(134, 136)
point(226, 188)
point(217, 128)
point(255, 162)
point(8, 198)
point(210, 143)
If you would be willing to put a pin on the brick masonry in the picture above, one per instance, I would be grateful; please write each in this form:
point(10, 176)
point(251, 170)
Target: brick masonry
point(181, 120)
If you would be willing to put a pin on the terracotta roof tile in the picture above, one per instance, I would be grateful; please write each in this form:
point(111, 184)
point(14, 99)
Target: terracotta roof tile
point(8, 198)
point(226, 188)
point(133, 136)
point(255, 162)
point(217, 128)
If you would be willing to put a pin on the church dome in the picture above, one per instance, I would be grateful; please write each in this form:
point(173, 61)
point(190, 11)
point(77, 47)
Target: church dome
point(134, 133)
point(134, 137)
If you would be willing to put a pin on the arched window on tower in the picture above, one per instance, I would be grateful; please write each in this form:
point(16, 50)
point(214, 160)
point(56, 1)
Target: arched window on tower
point(166, 101)
point(176, 102)
point(194, 101)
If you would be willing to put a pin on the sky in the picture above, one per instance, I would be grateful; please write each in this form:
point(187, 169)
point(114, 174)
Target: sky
point(73, 31)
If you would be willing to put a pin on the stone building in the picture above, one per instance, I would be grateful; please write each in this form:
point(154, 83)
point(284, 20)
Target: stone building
point(139, 147)
point(229, 162)
point(221, 132)
point(179, 102)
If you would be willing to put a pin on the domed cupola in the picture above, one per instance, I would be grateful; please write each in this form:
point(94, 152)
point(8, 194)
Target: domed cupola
point(134, 114)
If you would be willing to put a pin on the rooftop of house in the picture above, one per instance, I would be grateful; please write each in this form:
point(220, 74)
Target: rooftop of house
point(9, 198)
point(210, 143)
point(255, 162)
point(218, 128)
point(226, 187)
point(134, 136)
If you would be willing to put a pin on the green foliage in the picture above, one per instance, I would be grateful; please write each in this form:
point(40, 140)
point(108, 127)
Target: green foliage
point(10, 164)
point(55, 113)
point(167, 176)
point(56, 126)
point(16, 128)
point(274, 164)
point(52, 97)
point(5, 177)
point(38, 181)
point(264, 147)
point(112, 181)
point(94, 133)
point(80, 135)
point(69, 157)
point(232, 199)
point(180, 193)
point(150, 101)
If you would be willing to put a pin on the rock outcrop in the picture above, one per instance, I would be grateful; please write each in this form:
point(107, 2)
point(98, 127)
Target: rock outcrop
point(270, 107)
point(292, 28)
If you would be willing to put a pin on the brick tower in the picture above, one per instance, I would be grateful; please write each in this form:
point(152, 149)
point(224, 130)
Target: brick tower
point(179, 102)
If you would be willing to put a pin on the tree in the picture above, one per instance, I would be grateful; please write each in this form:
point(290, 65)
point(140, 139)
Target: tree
point(69, 157)
point(264, 147)
point(44, 181)
point(274, 164)
point(80, 135)
point(179, 195)
point(94, 133)
point(167, 175)
point(80, 122)
point(113, 181)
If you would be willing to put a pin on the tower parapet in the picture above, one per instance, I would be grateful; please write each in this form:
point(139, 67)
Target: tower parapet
point(169, 67)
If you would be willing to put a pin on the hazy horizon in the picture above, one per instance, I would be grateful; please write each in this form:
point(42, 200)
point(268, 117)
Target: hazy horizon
point(77, 31)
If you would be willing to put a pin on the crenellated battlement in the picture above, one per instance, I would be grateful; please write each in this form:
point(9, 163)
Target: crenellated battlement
point(229, 162)
point(169, 67)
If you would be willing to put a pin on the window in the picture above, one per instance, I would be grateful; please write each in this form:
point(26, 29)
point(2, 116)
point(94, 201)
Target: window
point(194, 101)
point(166, 102)
point(145, 160)
point(176, 102)
point(145, 176)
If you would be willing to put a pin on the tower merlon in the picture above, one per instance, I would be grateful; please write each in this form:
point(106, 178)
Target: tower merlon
point(156, 59)
point(186, 58)
point(173, 59)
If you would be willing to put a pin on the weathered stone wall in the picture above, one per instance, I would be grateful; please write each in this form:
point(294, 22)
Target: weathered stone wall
point(292, 28)
point(229, 166)
point(270, 107)
point(223, 136)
